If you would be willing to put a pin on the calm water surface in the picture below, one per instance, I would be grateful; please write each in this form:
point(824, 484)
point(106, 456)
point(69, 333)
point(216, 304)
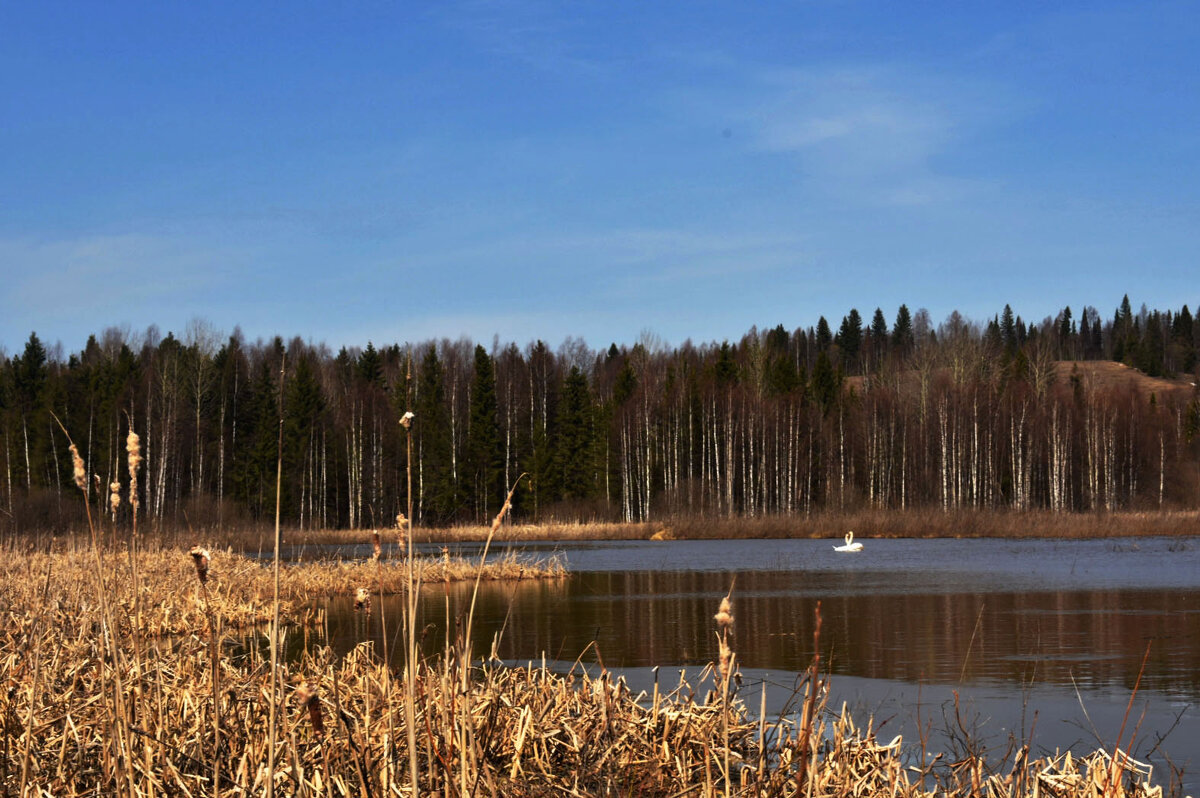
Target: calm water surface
point(1040, 639)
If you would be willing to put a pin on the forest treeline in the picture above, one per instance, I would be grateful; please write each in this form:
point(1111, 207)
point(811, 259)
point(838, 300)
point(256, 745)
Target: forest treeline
point(994, 415)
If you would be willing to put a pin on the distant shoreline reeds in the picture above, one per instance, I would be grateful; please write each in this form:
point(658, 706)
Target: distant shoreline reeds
point(873, 523)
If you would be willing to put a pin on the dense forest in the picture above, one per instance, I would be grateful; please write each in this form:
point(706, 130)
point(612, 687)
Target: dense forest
point(996, 415)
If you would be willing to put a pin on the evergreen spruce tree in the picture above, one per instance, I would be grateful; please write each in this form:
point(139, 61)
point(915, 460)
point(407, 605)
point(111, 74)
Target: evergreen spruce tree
point(1065, 333)
point(30, 376)
point(253, 471)
point(1085, 337)
point(1123, 332)
point(433, 478)
point(370, 366)
point(879, 337)
point(824, 336)
point(574, 445)
point(1183, 350)
point(484, 452)
point(902, 332)
point(850, 340)
point(304, 404)
point(726, 369)
point(992, 337)
point(1008, 332)
point(782, 376)
point(1150, 350)
point(826, 384)
point(778, 341)
point(625, 385)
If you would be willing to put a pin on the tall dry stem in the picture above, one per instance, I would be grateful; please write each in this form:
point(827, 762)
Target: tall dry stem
point(410, 599)
point(807, 749)
point(272, 722)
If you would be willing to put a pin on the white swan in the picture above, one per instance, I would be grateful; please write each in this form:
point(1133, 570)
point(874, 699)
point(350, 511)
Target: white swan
point(850, 544)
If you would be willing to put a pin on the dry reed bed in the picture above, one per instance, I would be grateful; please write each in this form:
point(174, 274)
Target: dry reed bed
point(514, 731)
point(93, 709)
point(238, 590)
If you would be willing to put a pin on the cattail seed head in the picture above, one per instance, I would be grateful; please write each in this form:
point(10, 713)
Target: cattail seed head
point(724, 616)
point(375, 544)
point(402, 525)
point(407, 419)
point(114, 496)
point(306, 696)
point(362, 600)
point(80, 472)
point(201, 557)
point(726, 656)
point(133, 447)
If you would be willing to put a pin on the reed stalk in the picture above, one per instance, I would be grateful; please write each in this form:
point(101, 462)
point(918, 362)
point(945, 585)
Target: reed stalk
point(807, 749)
point(410, 601)
point(273, 729)
point(1117, 766)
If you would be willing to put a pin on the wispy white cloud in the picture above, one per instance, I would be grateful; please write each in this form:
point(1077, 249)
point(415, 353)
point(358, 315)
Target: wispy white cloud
point(871, 134)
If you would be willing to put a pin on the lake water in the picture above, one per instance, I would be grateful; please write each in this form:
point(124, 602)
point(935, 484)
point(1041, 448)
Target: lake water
point(1043, 641)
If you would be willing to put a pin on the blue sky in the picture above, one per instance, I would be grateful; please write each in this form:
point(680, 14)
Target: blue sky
point(403, 171)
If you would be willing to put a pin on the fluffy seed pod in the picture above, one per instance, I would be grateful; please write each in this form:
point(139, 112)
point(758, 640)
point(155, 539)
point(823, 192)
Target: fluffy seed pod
point(80, 472)
point(114, 496)
point(375, 544)
point(724, 616)
point(362, 600)
point(201, 557)
point(726, 656)
point(133, 447)
point(407, 419)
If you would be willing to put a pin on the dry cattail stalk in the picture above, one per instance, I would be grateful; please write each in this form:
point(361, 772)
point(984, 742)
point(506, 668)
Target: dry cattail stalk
point(114, 497)
point(505, 507)
point(306, 696)
point(375, 544)
point(724, 619)
point(362, 600)
point(407, 419)
point(80, 472)
point(201, 557)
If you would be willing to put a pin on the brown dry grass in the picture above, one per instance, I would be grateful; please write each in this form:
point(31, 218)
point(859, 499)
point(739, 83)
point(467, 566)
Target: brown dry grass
point(1109, 376)
point(1104, 375)
point(238, 589)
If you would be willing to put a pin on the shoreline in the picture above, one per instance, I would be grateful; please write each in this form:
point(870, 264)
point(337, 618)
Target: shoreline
point(916, 524)
point(875, 524)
